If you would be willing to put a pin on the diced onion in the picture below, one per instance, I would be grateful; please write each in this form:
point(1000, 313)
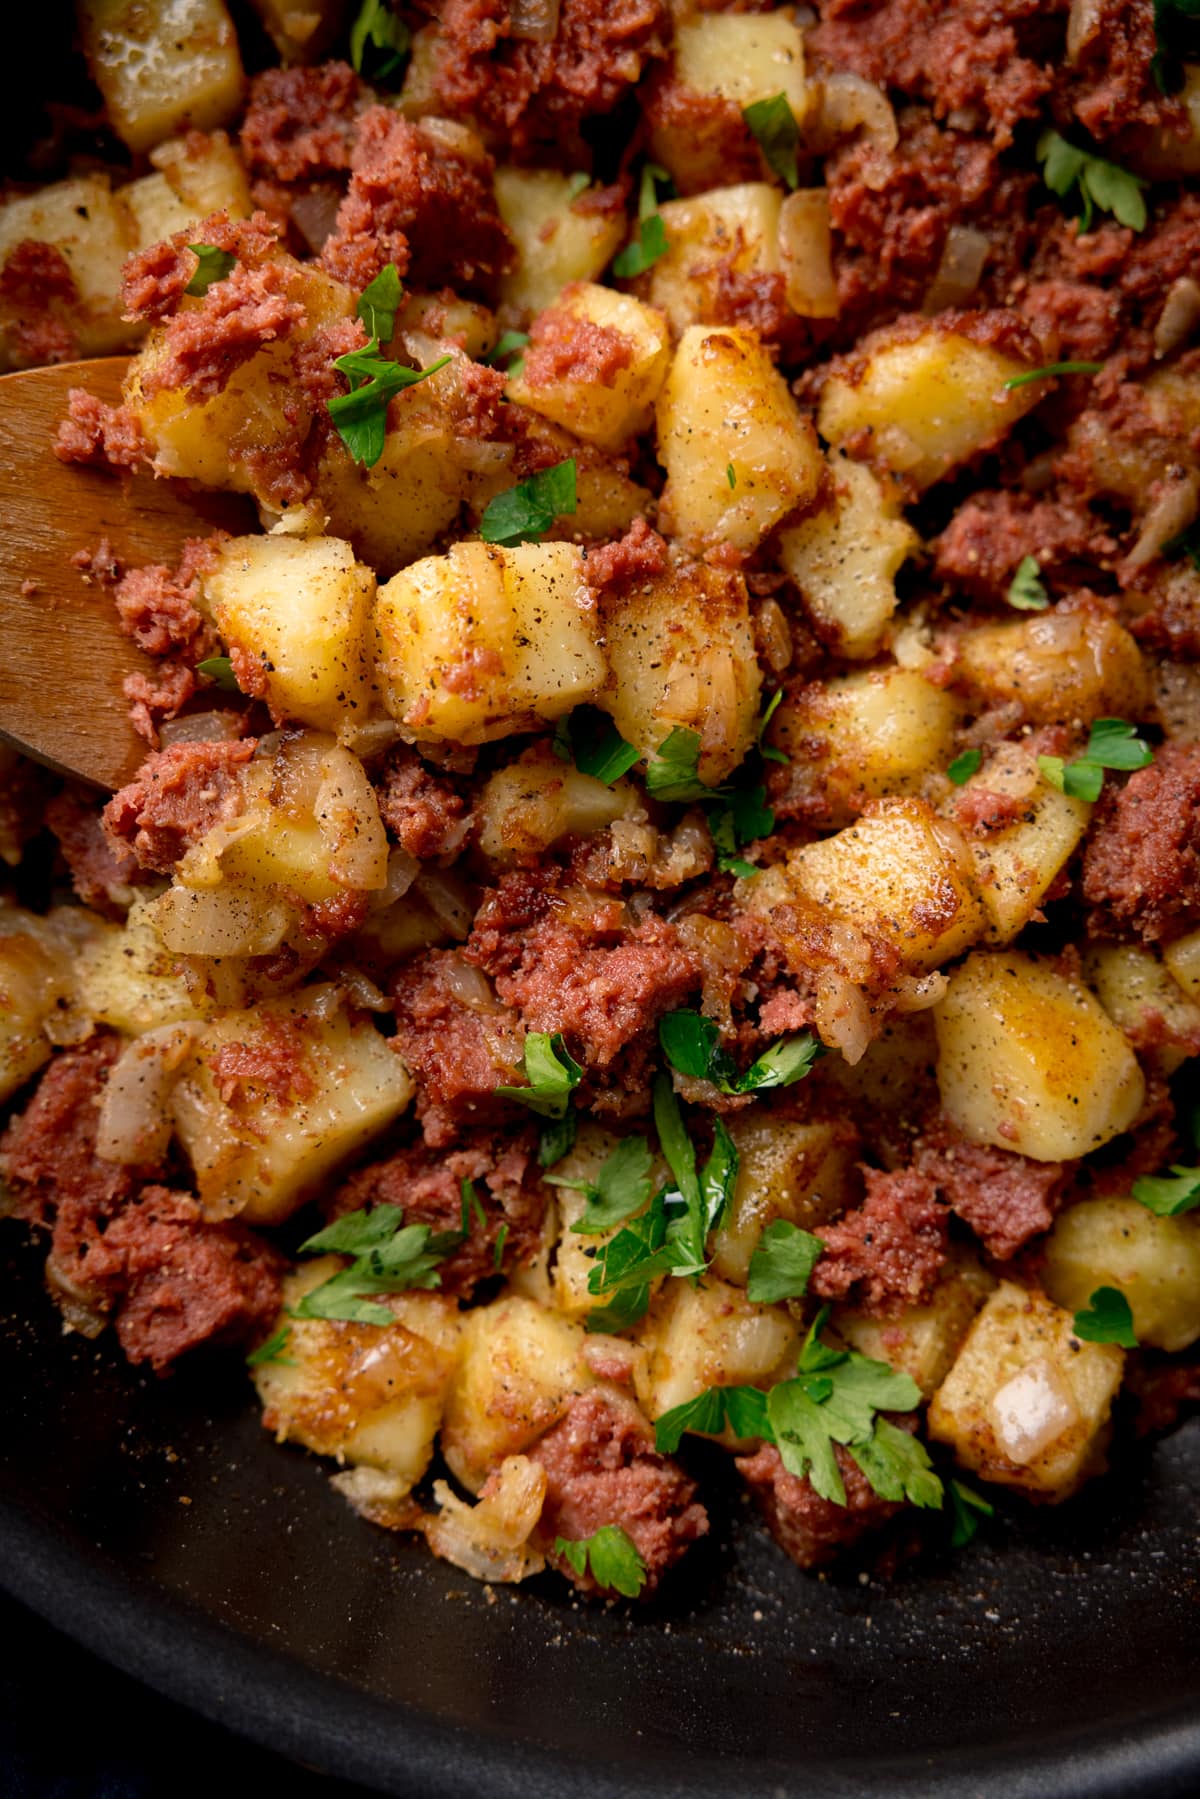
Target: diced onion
point(314, 215)
point(362, 991)
point(402, 871)
point(469, 985)
point(347, 812)
point(444, 897)
point(847, 103)
point(806, 252)
point(219, 921)
point(491, 1540)
point(1179, 317)
point(536, 19)
point(1083, 22)
point(963, 256)
point(135, 1124)
point(1170, 512)
point(843, 1017)
point(200, 727)
point(1032, 1410)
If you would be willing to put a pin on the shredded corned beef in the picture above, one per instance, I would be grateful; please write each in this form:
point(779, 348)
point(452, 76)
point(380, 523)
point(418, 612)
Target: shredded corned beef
point(175, 798)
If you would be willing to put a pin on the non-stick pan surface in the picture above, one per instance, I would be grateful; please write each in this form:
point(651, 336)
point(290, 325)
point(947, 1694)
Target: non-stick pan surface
point(1057, 1658)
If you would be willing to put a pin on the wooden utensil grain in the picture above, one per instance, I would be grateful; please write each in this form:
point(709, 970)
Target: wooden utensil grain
point(63, 657)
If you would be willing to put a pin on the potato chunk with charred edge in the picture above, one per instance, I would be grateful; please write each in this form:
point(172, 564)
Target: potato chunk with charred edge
point(162, 66)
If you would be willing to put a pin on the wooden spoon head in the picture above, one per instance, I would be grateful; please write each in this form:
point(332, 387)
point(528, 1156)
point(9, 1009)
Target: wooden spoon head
point(64, 656)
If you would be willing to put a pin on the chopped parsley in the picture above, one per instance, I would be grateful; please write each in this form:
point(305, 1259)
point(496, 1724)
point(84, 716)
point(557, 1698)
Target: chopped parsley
point(731, 474)
point(1177, 34)
point(1168, 1196)
point(1108, 1319)
point(557, 1138)
point(471, 1207)
point(613, 1558)
point(361, 415)
point(551, 1073)
point(967, 1507)
point(621, 1188)
point(597, 746)
point(782, 1261)
point(378, 26)
point(220, 670)
point(773, 124)
point(964, 766)
point(579, 184)
point(1113, 743)
point(672, 774)
point(1101, 185)
point(501, 1240)
point(837, 1397)
point(378, 304)
point(388, 1257)
point(766, 750)
point(524, 513)
point(211, 265)
point(651, 241)
point(1026, 591)
point(744, 818)
point(692, 1044)
point(1049, 369)
point(272, 1350)
point(508, 343)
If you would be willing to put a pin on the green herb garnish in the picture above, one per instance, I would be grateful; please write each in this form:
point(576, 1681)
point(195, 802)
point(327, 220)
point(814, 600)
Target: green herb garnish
point(1168, 1196)
point(524, 513)
point(621, 1188)
point(508, 343)
point(378, 26)
point(766, 750)
point(773, 124)
point(579, 183)
point(1026, 591)
point(1113, 743)
point(967, 1507)
point(272, 1350)
point(220, 670)
point(557, 1138)
point(1049, 369)
point(211, 265)
point(613, 1556)
point(1177, 34)
point(731, 474)
point(1108, 1319)
point(470, 1206)
point(744, 818)
point(361, 415)
point(378, 304)
point(389, 1257)
point(672, 774)
point(782, 1261)
point(964, 766)
point(651, 241)
point(597, 746)
point(498, 1255)
point(1102, 185)
point(551, 1073)
point(692, 1044)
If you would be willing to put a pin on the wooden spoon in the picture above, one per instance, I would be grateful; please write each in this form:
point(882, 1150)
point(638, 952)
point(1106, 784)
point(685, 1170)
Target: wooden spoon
point(63, 656)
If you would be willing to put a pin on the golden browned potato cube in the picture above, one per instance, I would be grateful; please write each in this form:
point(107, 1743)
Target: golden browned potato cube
point(528, 805)
point(735, 58)
point(1030, 1061)
point(864, 736)
point(1154, 1262)
point(302, 30)
point(1026, 1403)
point(162, 65)
point(1016, 866)
point(93, 231)
point(519, 1370)
point(844, 556)
point(1183, 959)
point(274, 1099)
point(802, 1173)
point(602, 413)
point(899, 874)
point(1143, 998)
point(733, 229)
point(922, 1341)
point(1055, 666)
point(738, 453)
point(681, 654)
point(129, 982)
point(369, 1394)
point(485, 641)
point(929, 397)
point(299, 607)
point(35, 981)
point(557, 242)
point(709, 1336)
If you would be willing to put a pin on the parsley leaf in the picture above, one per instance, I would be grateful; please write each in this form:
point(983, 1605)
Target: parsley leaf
point(621, 1187)
point(774, 126)
point(361, 415)
point(211, 265)
point(272, 1350)
point(897, 1465)
point(551, 1073)
point(557, 1138)
point(378, 26)
point(787, 1060)
point(598, 747)
point(579, 183)
point(651, 241)
point(1108, 1319)
point(470, 1206)
point(220, 670)
point(508, 343)
point(782, 1261)
point(524, 513)
point(744, 818)
point(672, 773)
point(964, 766)
point(767, 751)
point(743, 1409)
point(615, 1561)
point(378, 304)
point(1167, 1196)
point(1178, 38)
point(1101, 184)
point(680, 1152)
point(1049, 369)
point(1026, 591)
point(389, 1257)
point(692, 1044)
point(1079, 780)
point(1112, 743)
point(718, 1178)
point(967, 1507)
point(731, 474)
point(623, 1311)
point(498, 1253)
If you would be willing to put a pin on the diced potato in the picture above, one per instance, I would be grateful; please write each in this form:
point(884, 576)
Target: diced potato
point(681, 653)
point(93, 231)
point(899, 874)
point(1030, 1061)
point(369, 1394)
point(1026, 1403)
point(1056, 666)
point(894, 1078)
point(299, 606)
point(302, 30)
point(484, 641)
point(414, 922)
point(1163, 152)
point(1143, 998)
point(519, 1370)
point(929, 397)
point(129, 982)
point(197, 175)
point(1183, 959)
point(1015, 867)
point(442, 321)
point(728, 229)
point(274, 1099)
point(1154, 1262)
point(861, 737)
point(530, 804)
point(162, 65)
point(738, 453)
point(492, 1540)
point(737, 59)
point(557, 242)
point(922, 1341)
point(844, 556)
point(710, 1336)
point(803, 1173)
point(601, 413)
point(806, 254)
point(606, 503)
point(35, 982)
